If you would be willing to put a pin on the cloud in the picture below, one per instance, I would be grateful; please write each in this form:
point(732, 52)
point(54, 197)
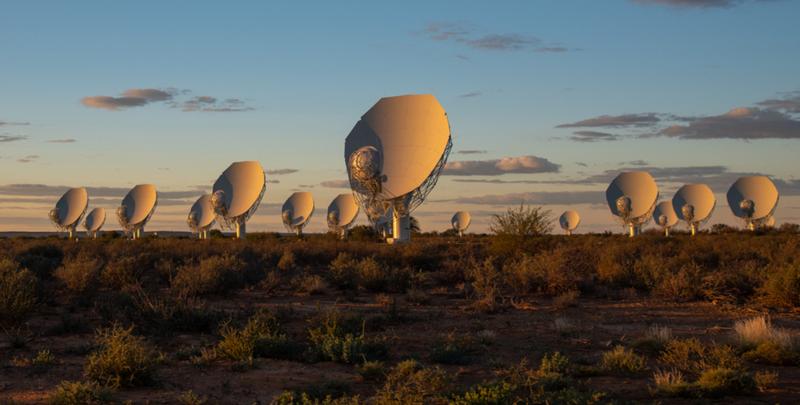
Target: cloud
point(471, 94)
point(335, 184)
point(172, 97)
point(466, 34)
point(739, 123)
point(536, 198)
point(581, 164)
point(616, 121)
point(28, 159)
point(636, 163)
point(471, 152)
point(12, 138)
point(592, 136)
point(212, 104)
point(7, 123)
point(789, 104)
point(64, 140)
point(278, 172)
point(496, 167)
point(696, 3)
point(129, 98)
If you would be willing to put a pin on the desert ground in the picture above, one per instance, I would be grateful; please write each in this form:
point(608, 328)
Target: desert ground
point(475, 320)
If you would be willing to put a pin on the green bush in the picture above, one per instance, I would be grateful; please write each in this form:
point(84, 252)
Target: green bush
point(487, 394)
point(620, 359)
point(18, 295)
point(260, 337)
point(332, 342)
point(725, 381)
point(122, 359)
point(409, 383)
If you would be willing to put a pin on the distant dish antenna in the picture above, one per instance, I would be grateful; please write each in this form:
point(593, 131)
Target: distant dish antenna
point(394, 156)
point(694, 204)
point(631, 197)
point(770, 222)
point(137, 208)
point(569, 221)
point(94, 221)
point(69, 210)
point(342, 211)
point(753, 199)
point(237, 193)
point(460, 222)
point(297, 211)
point(664, 216)
point(201, 216)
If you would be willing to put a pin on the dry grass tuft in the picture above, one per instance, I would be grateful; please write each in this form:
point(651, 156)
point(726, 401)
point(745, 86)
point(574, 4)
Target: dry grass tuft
point(752, 332)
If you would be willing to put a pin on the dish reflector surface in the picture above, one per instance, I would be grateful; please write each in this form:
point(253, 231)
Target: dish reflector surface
point(95, 219)
point(298, 208)
point(139, 203)
point(404, 137)
point(343, 209)
point(699, 196)
point(666, 210)
point(461, 221)
point(758, 189)
point(71, 207)
point(242, 185)
point(638, 187)
point(203, 212)
point(569, 220)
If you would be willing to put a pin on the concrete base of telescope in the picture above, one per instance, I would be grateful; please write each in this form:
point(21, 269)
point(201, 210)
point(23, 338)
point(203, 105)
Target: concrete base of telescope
point(401, 229)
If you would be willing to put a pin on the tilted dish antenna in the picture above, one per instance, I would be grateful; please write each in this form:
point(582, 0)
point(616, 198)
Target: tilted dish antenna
point(342, 211)
point(569, 221)
point(664, 216)
point(297, 211)
point(631, 197)
point(137, 208)
point(394, 156)
point(201, 216)
point(770, 222)
point(753, 199)
point(237, 193)
point(694, 204)
point(69, 210)
point(94, 221)
point(460, 222)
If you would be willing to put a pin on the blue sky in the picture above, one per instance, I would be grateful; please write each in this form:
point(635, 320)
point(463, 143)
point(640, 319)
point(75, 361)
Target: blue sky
point(300, 74)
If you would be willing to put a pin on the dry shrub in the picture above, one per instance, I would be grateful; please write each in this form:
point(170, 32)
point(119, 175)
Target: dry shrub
point(376, 278)
point(685, 285)
point(81, 276)
point(262, 336)
point(691, 356)
point(311, 285)
point(17, 292)
point(782, 287)
point(725, 381)
point(342, 272)
point(122, 360)
point(485, 282)
point(754, 331)
point(80, 393)
point(671, 383)
point(411, 383)
point(215, 274)
point(288, 262)
point(620, 359)
point(41, 259)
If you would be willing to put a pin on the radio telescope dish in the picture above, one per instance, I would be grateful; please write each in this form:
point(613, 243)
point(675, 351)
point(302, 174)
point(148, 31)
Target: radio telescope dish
point(664, 216)
point(693, 204)
point(69, 210)
point(770, 222)
point(201, 216)
point(341, 213)
point(753, 199)
point(137, 208)
point(461, 221)
point(94, 221)
point(394, 156)
point(569, 221)
point(237, 193)
point(632, 197)
point(297, 210)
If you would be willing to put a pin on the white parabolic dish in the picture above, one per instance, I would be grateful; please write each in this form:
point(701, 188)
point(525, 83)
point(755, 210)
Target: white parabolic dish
point(758, 189)
point(300, 207)
point(243, 185)
point(343, 209)
point(569, 220)
point(664, 208)
point(95, 219)
point(698, 196)
point(639, 187)
point(71, 207)
point(203, 212)
point(140, 203)
point(461, 221)
point(411, 134)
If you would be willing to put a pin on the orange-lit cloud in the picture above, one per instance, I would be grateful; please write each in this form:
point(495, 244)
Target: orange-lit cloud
point(496, 167)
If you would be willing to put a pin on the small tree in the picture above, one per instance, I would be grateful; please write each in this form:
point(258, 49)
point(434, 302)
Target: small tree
point(522, 221)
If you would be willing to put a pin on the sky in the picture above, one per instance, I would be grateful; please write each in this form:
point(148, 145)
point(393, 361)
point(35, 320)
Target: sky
point(547, 101)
